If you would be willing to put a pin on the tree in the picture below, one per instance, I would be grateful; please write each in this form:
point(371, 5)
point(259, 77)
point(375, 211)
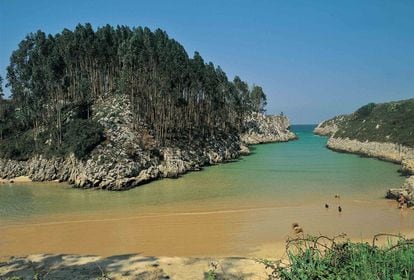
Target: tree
point(258, 98)
point(54, 77)
point(1, 88)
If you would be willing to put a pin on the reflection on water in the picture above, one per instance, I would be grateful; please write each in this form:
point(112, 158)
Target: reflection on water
point(224, 210)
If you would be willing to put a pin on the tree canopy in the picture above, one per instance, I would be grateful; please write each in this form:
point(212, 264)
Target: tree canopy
point(52, 76)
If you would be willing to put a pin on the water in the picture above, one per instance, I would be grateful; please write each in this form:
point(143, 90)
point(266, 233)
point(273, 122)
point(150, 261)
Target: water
point(227, 209)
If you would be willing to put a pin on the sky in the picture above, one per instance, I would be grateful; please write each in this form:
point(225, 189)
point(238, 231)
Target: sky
point(314, 59)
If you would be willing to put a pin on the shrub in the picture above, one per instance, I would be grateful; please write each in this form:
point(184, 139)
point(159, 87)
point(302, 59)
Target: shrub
point(323, 258)
point(365, 110)
point(82, 136)
point(19, 147)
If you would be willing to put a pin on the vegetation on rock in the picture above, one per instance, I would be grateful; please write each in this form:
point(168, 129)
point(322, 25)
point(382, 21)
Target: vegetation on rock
point(55, 81)
point(391, 122)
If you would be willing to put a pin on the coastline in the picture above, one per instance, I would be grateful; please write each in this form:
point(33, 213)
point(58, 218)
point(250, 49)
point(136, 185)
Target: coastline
point(129, 158)
point(176, 163)
point(391, 152)
point(174, 267)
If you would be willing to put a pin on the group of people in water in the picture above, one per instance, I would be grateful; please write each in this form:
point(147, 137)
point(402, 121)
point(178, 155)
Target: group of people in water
point(339, 206)
point(298, 229)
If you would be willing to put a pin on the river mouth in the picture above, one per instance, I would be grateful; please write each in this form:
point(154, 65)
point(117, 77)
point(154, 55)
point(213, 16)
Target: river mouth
point(234, 209)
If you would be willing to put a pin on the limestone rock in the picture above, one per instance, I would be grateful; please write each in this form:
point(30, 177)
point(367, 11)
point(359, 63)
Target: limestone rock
point(130, 157)
point(329, 127)
point(259, 128)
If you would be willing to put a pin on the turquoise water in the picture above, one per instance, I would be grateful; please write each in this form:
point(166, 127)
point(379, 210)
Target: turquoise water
point(274, 174)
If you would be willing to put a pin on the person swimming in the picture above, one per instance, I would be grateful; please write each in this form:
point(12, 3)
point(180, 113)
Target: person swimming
point(401, 201)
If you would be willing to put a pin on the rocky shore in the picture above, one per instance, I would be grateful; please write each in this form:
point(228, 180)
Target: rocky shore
point(130, 157)
point(392, 152)
point(386, 151)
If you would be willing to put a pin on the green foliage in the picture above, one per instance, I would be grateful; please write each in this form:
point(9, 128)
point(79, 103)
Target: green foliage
point(19, 147)
point(314, 258)
point(1, 88)
point(56, 79)
point(81, 136)
point(387, 122)
point(365, 110)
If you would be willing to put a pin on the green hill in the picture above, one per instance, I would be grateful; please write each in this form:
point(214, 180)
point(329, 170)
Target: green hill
point(391, 122)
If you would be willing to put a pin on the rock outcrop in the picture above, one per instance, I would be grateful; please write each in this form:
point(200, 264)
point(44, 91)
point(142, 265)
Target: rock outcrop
point(130, 156)
point(259, 128)
point(407, 190)
point(329, 127)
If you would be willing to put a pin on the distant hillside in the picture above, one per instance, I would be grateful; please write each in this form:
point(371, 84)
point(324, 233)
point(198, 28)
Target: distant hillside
point(391, 122)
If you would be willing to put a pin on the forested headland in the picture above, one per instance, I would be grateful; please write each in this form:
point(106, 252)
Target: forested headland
point(115, 107)
point(55, 80)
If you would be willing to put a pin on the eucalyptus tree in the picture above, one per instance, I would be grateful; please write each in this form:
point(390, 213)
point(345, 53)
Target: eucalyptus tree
point(1, 88)
point(55, 79)
point(258, 99)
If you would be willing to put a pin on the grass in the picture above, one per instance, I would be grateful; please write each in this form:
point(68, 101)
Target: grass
point(325, 258)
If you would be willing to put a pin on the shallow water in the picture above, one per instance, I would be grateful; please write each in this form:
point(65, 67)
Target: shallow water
point(228, 209)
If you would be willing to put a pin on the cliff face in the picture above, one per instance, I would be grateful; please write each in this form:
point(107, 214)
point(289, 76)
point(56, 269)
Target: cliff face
point(259, 128)
point(130, 157)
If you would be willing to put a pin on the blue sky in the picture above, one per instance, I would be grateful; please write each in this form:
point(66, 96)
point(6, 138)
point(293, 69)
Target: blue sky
point(314, 59)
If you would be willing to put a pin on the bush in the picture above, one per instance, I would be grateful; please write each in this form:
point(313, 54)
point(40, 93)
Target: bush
point(365, 110)
point(81, 137)
point(19, 147)
point(323, 258)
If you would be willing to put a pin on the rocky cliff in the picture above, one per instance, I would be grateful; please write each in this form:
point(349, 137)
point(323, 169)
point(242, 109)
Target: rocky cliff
point(259, 128)
point(130, 157)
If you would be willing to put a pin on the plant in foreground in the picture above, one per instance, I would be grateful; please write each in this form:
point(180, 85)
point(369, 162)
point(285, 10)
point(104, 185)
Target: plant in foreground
point(321, 257)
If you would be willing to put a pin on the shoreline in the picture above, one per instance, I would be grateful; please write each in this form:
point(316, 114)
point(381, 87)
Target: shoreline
point(122, 162)
point(390, 152)
point(244, 151)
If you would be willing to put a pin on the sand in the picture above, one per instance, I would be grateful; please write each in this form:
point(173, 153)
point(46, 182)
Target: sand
point(130, 267)
point(137, 266)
